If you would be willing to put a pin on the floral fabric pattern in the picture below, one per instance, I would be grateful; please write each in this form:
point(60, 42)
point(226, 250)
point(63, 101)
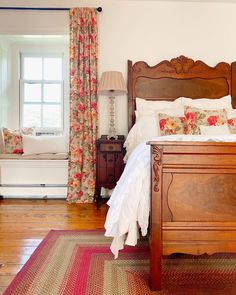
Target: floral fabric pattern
point(13, 143)
point(196, 117)
point(83, 105)
point(170, 125)
point(232, 125)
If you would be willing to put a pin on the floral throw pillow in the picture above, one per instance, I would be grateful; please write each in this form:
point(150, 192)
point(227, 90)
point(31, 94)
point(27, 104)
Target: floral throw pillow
point(196, 117)
point(13, 140)
point(170, 125)
point(232, 125)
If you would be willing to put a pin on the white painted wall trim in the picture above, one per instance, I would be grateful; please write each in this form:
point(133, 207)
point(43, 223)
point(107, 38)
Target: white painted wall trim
point(20, 178)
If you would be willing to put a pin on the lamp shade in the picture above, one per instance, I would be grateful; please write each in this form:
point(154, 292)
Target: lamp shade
point(112, 83)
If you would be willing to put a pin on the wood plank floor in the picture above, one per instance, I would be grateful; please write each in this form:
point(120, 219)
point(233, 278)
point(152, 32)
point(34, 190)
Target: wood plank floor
point(24, 223)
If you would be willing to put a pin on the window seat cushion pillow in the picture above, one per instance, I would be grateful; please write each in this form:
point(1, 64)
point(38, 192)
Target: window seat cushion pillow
point(13, 139)
point(44, 144)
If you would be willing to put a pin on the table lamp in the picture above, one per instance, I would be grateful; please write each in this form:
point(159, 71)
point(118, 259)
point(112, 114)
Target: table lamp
point(112, 84)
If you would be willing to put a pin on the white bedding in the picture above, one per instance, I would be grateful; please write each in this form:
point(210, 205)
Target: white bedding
point(129, 202)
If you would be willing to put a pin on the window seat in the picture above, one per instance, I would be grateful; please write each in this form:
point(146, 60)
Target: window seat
point(57, 156)
point(33, 176)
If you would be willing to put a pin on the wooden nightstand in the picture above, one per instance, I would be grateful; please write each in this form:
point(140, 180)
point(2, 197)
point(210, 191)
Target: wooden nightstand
point(110, 164)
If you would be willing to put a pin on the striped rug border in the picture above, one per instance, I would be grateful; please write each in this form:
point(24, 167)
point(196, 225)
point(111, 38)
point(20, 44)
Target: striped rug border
point(52, 233)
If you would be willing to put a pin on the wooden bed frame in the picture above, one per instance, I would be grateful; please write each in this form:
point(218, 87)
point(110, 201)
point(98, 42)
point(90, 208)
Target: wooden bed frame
point(193, 184)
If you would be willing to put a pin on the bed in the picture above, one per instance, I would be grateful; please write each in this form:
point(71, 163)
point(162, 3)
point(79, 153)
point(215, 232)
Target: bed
point(193, 184)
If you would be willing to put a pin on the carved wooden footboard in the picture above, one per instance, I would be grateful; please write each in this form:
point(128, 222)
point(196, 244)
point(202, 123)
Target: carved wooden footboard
point(193, 200)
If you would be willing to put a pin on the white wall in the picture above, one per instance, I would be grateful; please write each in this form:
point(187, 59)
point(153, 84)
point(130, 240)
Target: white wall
point(4, 82)
point(138, 30)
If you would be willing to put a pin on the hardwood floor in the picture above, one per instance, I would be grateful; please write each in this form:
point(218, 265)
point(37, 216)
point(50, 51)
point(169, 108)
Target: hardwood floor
point(24, 223)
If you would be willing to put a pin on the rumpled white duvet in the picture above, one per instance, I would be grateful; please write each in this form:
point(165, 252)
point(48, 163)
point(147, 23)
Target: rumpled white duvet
point(129, 203)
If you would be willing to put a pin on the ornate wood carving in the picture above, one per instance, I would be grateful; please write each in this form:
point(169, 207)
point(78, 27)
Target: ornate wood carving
point(157, 157)
point(156, 217)
point(140, 66)
point(182, 64)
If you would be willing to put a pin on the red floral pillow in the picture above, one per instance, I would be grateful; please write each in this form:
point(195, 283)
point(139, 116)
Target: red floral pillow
point(170, 125)
point(232, 125)
point(13, 140)
point(196, 117)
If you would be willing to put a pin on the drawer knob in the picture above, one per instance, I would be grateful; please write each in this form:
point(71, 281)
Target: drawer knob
point(111, 147)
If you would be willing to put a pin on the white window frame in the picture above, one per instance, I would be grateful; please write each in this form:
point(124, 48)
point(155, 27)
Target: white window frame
point(42, 130)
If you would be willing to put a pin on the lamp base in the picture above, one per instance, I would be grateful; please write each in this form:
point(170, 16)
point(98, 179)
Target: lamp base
point(112, 136)
point(112, 129)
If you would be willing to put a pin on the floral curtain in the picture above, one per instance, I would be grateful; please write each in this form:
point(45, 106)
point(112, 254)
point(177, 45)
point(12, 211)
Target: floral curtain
point(83, 104)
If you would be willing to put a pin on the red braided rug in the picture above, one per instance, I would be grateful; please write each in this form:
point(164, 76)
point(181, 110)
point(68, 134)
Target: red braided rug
point(80, 262)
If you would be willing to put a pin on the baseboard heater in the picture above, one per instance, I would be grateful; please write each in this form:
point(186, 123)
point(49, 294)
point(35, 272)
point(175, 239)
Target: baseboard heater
point(33, 191)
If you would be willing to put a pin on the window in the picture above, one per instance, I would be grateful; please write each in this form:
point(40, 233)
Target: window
point(41, 92)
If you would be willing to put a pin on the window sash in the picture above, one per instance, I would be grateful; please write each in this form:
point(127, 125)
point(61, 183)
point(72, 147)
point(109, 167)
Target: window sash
point(41, 55)
point(41, 103)
point(42, 82)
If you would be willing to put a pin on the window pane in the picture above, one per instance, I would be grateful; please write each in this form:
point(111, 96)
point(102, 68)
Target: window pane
point(52, 93)
point(31, 115)
point(52, 116)
point(33, 68)
point(32, 92)
point(52, 68)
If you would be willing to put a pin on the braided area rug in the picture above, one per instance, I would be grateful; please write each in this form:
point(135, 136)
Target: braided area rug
point(80, 262)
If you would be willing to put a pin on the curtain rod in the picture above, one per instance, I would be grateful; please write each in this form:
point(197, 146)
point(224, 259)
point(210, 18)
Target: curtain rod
point(99, 9)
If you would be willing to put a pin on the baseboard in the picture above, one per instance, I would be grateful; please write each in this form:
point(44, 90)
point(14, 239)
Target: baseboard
point(62, 197)
point(33, 191)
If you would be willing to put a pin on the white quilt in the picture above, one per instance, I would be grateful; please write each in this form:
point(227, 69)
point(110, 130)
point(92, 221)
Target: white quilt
point(129, 203)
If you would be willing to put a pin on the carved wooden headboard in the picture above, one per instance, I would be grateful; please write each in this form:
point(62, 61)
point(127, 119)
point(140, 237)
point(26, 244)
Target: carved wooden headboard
point(179, 77)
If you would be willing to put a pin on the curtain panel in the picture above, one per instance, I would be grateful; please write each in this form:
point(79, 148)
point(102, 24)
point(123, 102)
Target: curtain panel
point(83, 105)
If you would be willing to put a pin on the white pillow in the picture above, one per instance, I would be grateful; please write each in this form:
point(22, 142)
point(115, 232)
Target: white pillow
point(149, 107)
point(172, 112)
point(44, 144)
point(215, 130)
point(144, 129)
point(209, 104)
point(231, 113)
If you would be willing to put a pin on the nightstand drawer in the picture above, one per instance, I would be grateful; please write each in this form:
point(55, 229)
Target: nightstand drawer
point(110, 147)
